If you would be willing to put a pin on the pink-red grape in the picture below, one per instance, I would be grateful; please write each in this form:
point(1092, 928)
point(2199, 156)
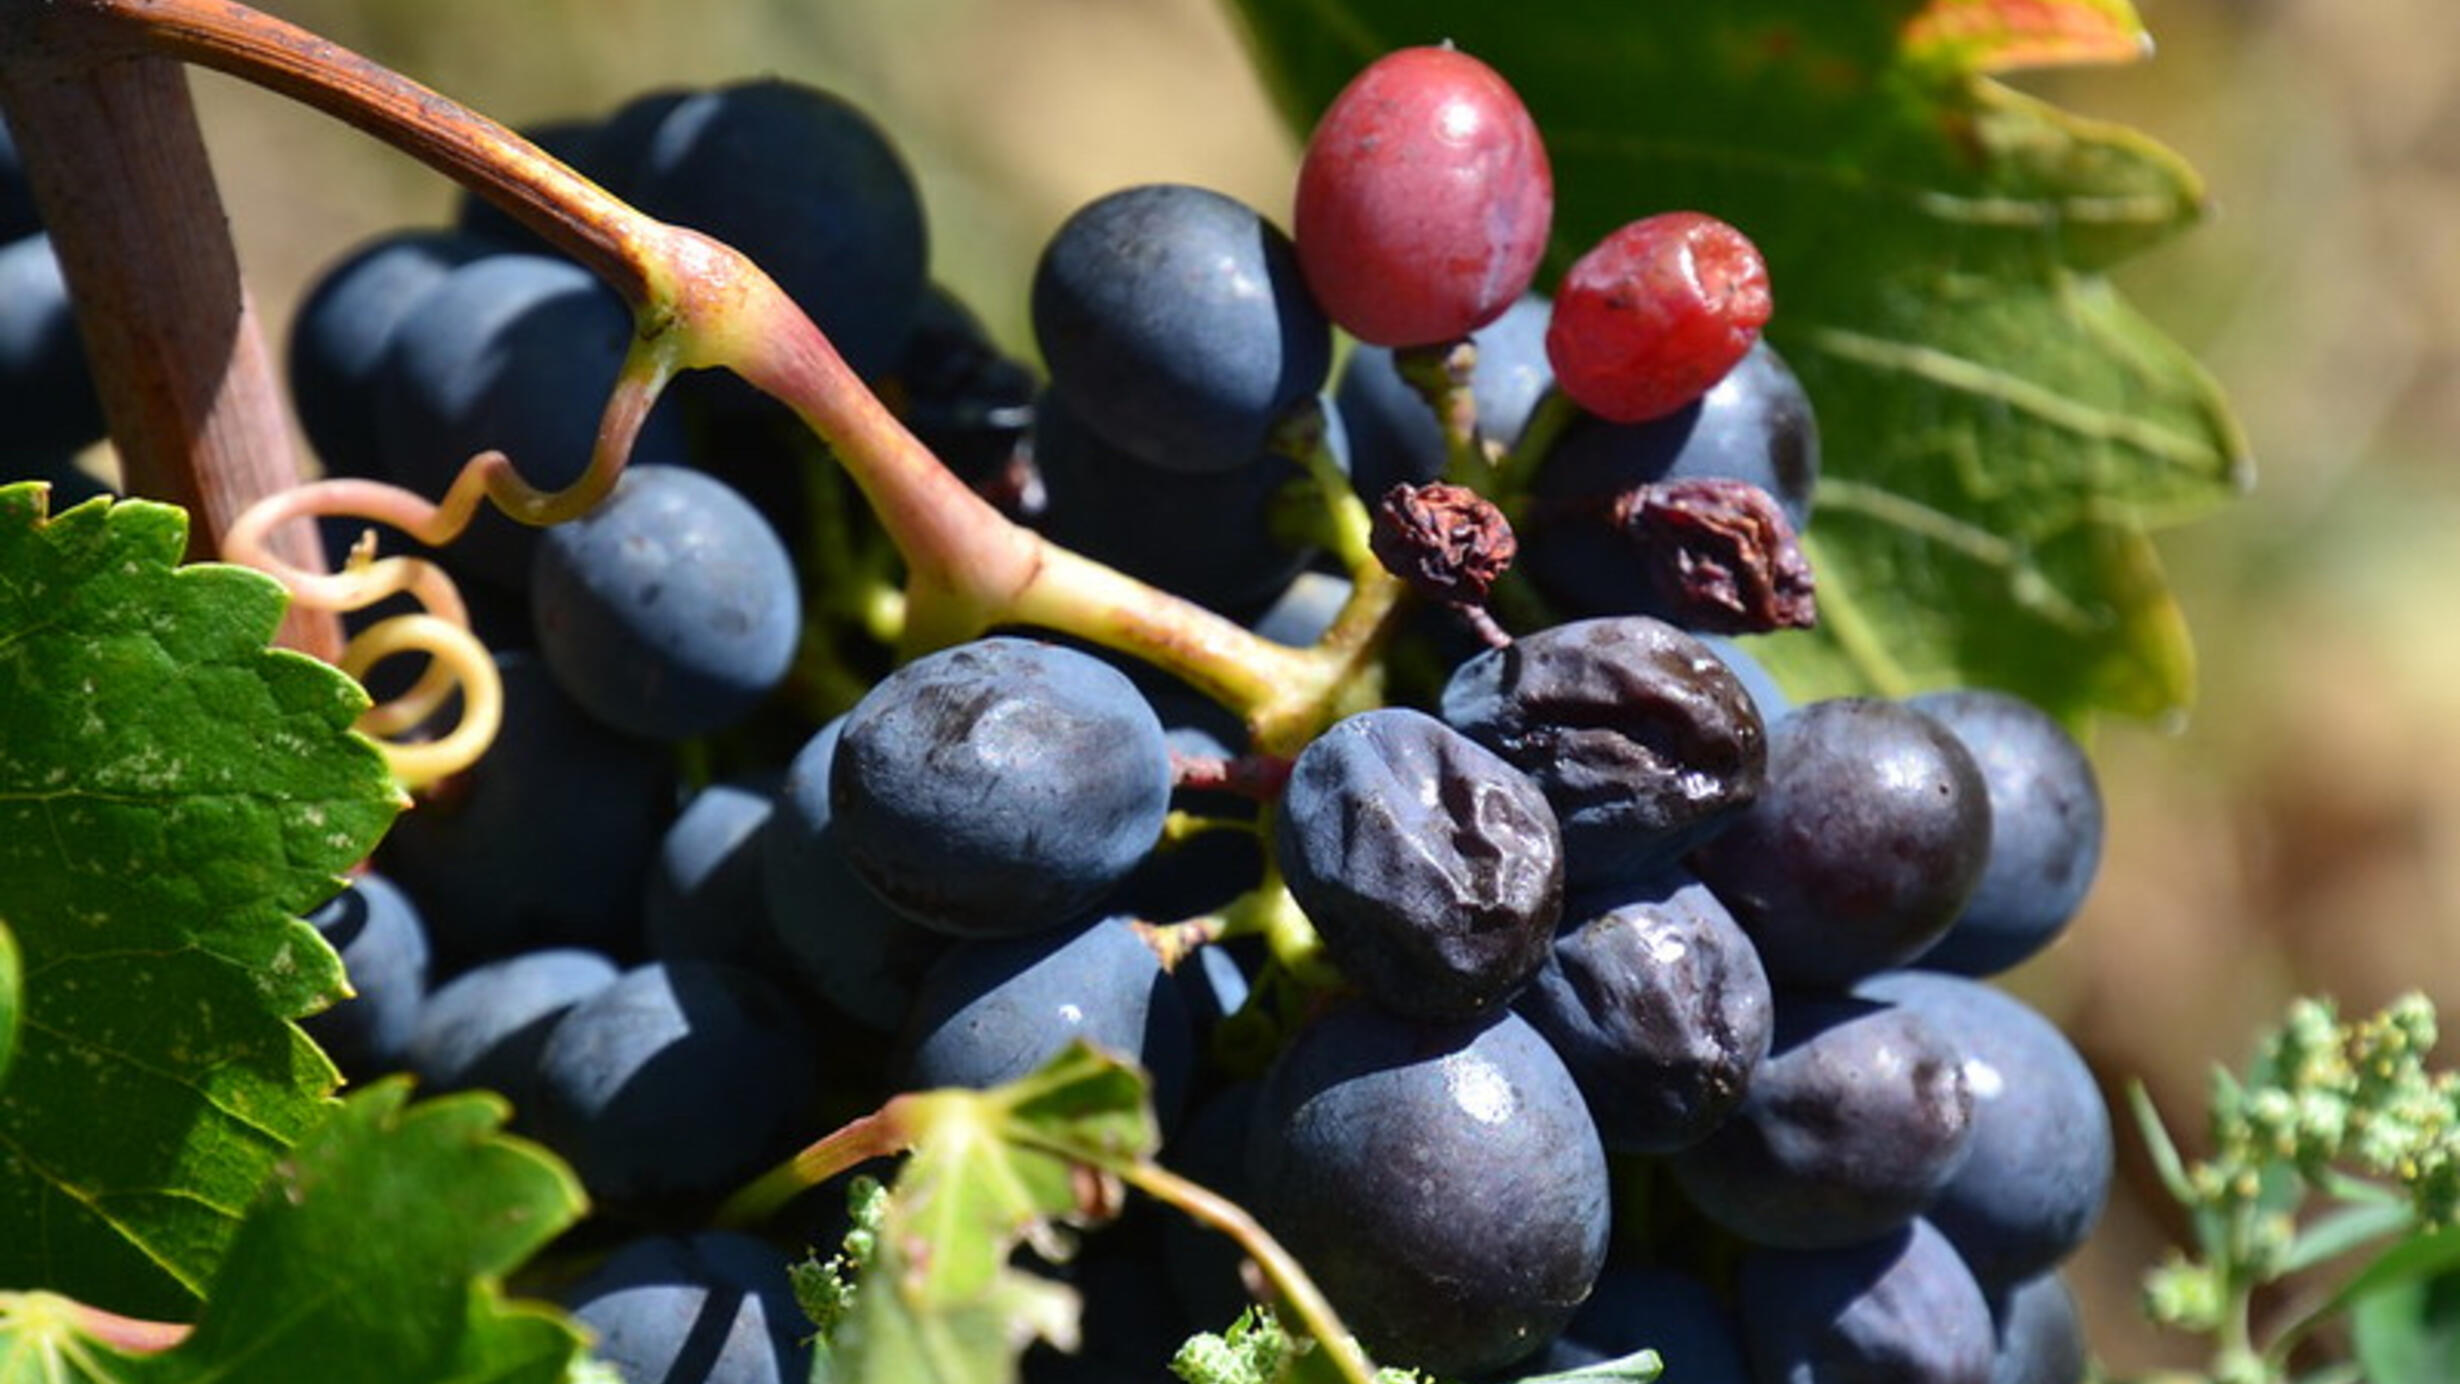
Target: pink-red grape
point(1424, 199)
point(1656, 314)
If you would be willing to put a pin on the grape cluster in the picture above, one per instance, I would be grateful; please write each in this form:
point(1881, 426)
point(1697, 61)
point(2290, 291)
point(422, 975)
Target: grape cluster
point(44, 382)
point(1629, 1004)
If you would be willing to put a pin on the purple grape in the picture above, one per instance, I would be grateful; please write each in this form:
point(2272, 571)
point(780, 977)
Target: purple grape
point(1442, 1182)
point(1394, 435)
point(812, 190)
point(704, 897)
point(1660, 1008)
point(383, 945)
point(2045, 830)
point(1175, 322)
point(1874, 826)
point(2038, 1172)
point(670, 610)
point(1432, 868)
point(483, 1029)
point(678, 1080)
point(999, 787)
point(2040, 1339)
point(1643, 740)
point(845, 942)
point(1855, 1120)
point(993, 1010)
point(716, 1308)
point(1899, 1309)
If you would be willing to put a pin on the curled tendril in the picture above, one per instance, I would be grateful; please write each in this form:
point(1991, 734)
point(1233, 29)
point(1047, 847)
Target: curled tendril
point(456, 661)
point(453, 650)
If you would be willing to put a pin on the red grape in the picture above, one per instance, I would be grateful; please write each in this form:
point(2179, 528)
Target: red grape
point(1424, 199)
point(1655, 315)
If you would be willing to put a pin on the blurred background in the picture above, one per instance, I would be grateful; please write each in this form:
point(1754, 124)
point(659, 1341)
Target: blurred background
point(2298, 833)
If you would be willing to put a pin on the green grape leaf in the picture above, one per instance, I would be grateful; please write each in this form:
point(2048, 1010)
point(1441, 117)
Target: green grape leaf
point(2408, 1331)
point(372, 1254)
point(940, 1300)
point(1639, 1367)
point(172, 794)
point(2001, 430)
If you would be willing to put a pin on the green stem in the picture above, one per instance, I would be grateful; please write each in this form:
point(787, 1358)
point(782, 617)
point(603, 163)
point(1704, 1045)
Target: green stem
point(969, 567)
point(1346, 524)
point(1444, 374)
point(2235, 1359)
point(883, 1133)
point(1307, 1301)
point(1547, 422)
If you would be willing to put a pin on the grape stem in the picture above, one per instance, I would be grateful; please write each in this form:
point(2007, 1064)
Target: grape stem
point(1298, 1291)
point(49, 1319)
point(968, 567)
point(884, 1133)
point(892, 1130)
point(1442, 375)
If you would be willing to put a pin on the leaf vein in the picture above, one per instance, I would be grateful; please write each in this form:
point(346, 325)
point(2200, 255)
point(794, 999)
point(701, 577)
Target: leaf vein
point(273, 1137)
point(1965, 375)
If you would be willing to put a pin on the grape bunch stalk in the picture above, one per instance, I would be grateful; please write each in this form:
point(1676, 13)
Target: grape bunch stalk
point(1370, 775)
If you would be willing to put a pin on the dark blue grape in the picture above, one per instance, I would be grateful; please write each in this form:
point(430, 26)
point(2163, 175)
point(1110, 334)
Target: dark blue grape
point(1432, 868)
point(344, 328)
point(2038, 1172)
point(1202, 872)
point(1175, 322)
point(545, 842)
point(1755, 425)
point(1643, 740)
point(46, 387)
point(1899, 1309)
point(1660, 1008)
point(2041, 1341)
point(678, 1080)
point(813, 191)
point(514, 352)
point(71, 484)
point(1132, 1325)
point(705, 897)
point(483, 1029)
point(1304, 610)
point(2045, 830)
point(971, 403)
point(668, 611)
point(999, 787)
point(991, 1011)
point(1854, 1121)
point(383, 945)
point(1216, 982)
point(620, 147)
point(716, 1308)
point(1208, 536)
point(18, 214)
point(1672, 1313)
point(1441, 1182)
point(1862, 849)
point(845, 942)
point(1766, 695)
point(1394, 436)
point(1210, 1150)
